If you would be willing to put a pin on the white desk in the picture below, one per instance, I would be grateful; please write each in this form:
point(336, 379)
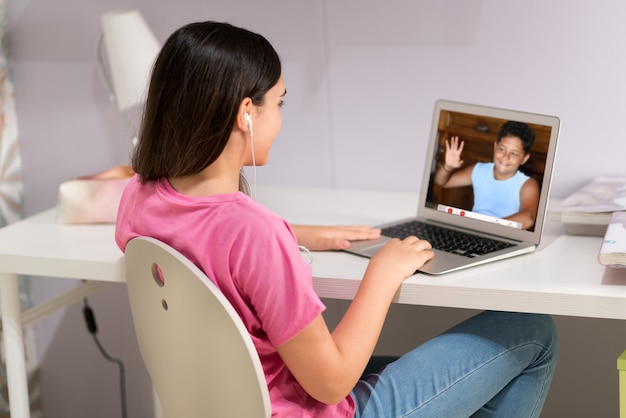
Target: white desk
point(561, 278)
point(39, 246)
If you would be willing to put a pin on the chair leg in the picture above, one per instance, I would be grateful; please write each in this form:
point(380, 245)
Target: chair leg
point(158, 410)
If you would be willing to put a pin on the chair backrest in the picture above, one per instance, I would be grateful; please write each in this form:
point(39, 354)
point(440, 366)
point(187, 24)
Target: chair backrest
point(198, 353)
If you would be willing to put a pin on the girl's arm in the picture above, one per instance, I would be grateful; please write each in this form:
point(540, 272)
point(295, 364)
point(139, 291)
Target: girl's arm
point(320, 238)
point(328, 365)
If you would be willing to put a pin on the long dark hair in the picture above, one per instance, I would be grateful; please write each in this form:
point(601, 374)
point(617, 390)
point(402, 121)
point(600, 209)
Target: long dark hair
point(199, 79)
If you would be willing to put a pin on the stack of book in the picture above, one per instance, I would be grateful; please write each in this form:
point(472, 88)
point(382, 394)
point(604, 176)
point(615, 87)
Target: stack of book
point(588, 211)
point(599, 209)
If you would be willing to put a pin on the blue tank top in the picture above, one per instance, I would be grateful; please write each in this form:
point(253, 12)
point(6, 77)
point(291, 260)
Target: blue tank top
point(498, 198)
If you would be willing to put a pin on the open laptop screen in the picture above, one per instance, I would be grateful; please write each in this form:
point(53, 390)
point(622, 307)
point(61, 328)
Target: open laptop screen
point(489, 165)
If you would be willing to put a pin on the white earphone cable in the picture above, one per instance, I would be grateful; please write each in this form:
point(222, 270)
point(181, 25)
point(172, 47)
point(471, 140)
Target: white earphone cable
point(253, 160)
point(303, 249)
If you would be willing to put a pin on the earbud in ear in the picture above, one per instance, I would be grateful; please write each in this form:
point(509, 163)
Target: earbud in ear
point(248, 119)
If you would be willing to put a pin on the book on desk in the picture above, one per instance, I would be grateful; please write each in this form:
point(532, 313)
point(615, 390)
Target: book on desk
point(613, 249)
point(588, 211)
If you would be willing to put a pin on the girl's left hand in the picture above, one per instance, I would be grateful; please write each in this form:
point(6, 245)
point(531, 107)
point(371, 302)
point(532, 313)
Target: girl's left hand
point(320, 238)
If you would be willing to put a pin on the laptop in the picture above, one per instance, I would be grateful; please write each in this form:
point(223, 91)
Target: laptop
point(444, 211)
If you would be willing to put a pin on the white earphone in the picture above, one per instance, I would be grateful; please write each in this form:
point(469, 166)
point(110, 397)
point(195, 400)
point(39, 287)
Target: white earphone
point(248, 119)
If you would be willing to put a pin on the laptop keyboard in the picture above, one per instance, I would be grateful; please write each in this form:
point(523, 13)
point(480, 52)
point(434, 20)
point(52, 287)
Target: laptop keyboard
point(448, 240)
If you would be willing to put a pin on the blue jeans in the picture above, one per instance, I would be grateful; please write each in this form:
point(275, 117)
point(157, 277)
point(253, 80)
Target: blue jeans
point(495, 364)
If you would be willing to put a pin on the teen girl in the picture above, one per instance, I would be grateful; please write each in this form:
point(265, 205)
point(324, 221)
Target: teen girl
point(213, 107)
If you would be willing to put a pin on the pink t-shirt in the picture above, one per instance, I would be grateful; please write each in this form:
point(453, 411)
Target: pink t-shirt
point(252, 256)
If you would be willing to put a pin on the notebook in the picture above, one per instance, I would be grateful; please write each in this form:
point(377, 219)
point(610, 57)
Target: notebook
point(446, 210)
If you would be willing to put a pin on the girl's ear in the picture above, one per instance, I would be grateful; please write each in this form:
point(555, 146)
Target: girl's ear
point(245, 107)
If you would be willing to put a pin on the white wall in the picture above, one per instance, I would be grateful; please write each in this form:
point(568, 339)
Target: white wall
point(362, 77)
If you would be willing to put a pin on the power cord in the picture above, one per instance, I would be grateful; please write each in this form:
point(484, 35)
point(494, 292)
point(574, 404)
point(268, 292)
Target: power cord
point(90, 320)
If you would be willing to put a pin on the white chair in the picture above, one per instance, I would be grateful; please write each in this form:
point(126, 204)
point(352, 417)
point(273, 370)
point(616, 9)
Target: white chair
point(198, 353)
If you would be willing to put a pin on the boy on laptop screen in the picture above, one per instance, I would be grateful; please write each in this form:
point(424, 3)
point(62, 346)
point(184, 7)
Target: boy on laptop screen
point(485, 187)
point(501, 191)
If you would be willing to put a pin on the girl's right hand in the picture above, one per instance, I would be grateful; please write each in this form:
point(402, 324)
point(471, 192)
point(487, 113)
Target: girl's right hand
point(399, 259)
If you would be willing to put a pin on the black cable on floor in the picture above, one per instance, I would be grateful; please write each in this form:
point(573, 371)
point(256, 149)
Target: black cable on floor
point(90, 319)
